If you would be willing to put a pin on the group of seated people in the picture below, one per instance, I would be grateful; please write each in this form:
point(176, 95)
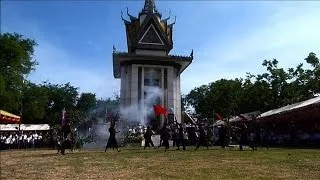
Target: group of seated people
point(298, 137)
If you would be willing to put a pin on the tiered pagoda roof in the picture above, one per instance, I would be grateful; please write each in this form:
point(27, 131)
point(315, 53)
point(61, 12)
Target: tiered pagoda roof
point(148, 31)
point(149, 41)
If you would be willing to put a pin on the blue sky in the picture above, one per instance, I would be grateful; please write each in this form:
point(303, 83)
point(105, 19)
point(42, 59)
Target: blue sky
point(229, 38)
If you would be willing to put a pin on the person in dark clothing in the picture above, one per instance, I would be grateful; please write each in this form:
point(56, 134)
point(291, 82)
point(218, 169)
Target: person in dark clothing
point(202, 141)
point(223, 133)
point(64, 141)
point(112, 142)
point(256, 139)
point(164, 133)
point(66, 130)
point(175, 136)
point(243, 137)
point(263, 139)
point(147, 137)
point(181, 141)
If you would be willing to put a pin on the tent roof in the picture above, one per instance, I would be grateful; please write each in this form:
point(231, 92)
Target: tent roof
point(291, 107)
point(245, 117)
point(219, 123)
point(5, 113)
point(24, 127)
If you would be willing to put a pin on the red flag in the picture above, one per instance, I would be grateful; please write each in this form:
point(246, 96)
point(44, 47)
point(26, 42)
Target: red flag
point(218, 116)
point(158, 110)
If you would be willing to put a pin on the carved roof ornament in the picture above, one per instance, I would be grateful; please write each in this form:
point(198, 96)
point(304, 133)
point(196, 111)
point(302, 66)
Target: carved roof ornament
point(132, 18)
point(125, 21)
point(175, 19)
point(114, 49)
point(164, 20)
point(191, 55)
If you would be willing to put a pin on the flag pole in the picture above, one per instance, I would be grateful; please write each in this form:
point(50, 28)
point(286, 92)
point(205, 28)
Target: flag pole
point(63, 116)
point(213, 122)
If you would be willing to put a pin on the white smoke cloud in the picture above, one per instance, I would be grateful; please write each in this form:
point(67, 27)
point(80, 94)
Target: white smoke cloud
point(133, 113)
point(99, 128)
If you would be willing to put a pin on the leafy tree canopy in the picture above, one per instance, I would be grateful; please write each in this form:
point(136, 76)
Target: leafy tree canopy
point(16, 62)
point(275, 88)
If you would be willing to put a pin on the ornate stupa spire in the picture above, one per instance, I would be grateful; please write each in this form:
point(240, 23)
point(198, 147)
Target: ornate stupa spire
point(150, 7)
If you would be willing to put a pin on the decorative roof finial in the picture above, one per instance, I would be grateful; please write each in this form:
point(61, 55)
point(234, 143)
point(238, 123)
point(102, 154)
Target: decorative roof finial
point(114, 49)
point(131, 17)
point(168, 17)
point(125, 21)
point(175, 18)
point(149, 6)
point(191, 55)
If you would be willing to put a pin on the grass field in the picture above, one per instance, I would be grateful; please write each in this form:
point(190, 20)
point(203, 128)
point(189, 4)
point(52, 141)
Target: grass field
point(136, 163)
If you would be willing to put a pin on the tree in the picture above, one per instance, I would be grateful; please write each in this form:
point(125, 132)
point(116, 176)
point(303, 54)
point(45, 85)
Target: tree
point(184, 103)
point(225, 97)
point(198, 99)
point(60, 97)
point(16, 62)
point(35, 100)
point(222, 96)
point(274, 88)
point(314, 75)
point(86, 102)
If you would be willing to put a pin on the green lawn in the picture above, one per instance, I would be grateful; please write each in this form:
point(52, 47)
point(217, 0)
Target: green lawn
point(136, 163)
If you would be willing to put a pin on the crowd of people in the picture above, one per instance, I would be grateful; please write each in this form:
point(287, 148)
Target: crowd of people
point(302, 137)
point(22, 140)
point(250, 134)
point(181, 135)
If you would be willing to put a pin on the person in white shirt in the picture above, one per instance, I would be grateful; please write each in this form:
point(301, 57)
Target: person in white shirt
point(25, 140)
point(13, 139)
point(29, 139)
point(7, 142)
point(35, 140)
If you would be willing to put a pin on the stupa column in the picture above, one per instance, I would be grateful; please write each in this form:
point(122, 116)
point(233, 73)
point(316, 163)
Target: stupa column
point(134, 90)
point(143, 117)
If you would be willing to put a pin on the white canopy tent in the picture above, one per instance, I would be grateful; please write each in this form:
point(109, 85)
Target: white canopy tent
point(245, 117)
point(24, 127)
point(291, 107)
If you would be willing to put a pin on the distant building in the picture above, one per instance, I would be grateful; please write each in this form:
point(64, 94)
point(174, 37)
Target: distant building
point(149, 75)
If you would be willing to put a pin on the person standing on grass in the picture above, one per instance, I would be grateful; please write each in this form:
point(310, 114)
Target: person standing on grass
point(175, 135)
point(243, 137)
point(165, 136)
point(147, 137)
point(112, 142)
point(185, 137)
point(202, 141)
point(181, 138)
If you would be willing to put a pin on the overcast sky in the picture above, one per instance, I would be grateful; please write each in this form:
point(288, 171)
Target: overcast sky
point(229, 38)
